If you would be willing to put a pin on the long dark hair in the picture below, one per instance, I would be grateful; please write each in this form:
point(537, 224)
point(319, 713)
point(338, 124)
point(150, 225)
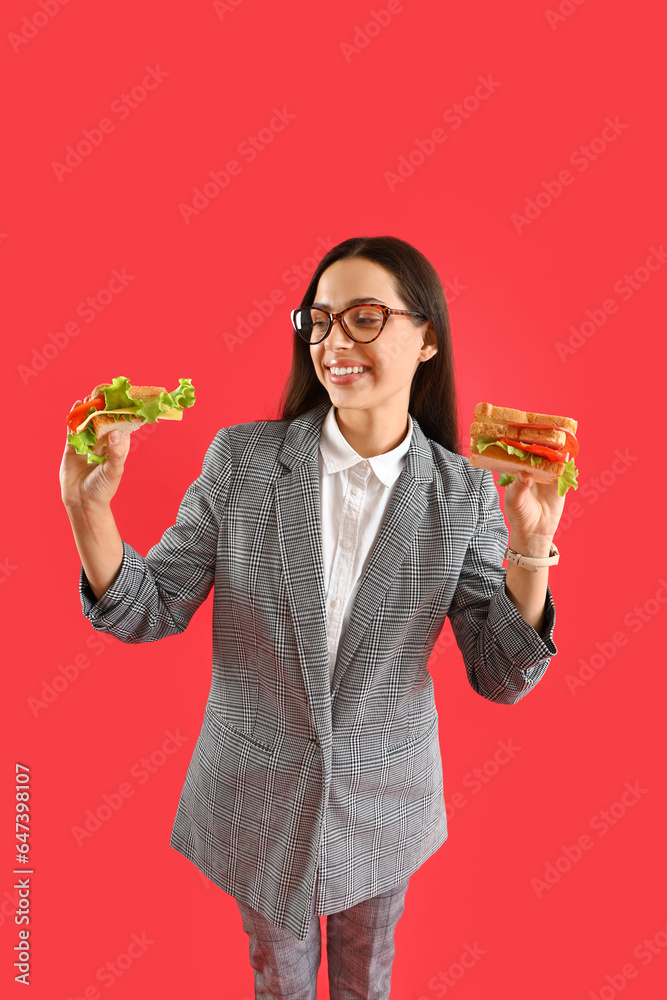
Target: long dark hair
point(432, 392)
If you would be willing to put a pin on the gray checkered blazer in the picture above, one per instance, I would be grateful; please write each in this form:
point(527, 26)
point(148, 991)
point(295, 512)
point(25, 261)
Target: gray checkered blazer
point(292, 775)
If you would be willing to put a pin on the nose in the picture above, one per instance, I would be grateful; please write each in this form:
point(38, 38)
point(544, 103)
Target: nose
point(337, 338)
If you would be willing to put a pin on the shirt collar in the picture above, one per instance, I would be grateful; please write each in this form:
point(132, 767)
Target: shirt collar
point(338, 454)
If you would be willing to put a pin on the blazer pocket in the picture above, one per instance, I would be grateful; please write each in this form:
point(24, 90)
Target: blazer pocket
point(222, 731)
point(413, 742)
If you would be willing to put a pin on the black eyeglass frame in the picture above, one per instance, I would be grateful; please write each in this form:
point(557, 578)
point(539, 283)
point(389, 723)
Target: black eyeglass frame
point(386, 313)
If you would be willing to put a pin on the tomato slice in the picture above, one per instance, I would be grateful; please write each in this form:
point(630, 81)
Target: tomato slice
point(80, 412)
point(571, 443)
point(537, 449)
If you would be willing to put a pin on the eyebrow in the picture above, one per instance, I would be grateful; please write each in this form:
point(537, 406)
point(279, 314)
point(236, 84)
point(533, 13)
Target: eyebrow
point(350, 302)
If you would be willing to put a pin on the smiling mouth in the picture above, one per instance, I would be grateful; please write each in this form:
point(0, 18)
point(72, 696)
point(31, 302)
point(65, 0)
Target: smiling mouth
point(347, 376)
point(346, 369)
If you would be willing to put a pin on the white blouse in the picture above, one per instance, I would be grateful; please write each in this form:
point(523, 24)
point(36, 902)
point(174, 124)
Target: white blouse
point(354, 494)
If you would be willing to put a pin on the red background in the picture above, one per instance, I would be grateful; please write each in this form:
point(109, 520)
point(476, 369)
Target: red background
point(514, 296)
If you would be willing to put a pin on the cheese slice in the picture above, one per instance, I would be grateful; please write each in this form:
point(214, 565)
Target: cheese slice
point(171, 413)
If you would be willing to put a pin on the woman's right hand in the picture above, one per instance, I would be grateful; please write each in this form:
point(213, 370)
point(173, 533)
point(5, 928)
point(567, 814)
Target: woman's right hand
point(87, 484)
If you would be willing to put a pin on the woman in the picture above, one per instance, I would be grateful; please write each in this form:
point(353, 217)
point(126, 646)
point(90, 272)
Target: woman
point(338, 539)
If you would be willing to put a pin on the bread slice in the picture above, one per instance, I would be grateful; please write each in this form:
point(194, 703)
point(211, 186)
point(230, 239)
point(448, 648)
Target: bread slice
point(550, 438)
point(103, 424)
point(126, 424)
point(134, 392)
point(486, 413)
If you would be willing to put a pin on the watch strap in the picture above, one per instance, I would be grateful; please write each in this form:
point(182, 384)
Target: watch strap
point(533, 563)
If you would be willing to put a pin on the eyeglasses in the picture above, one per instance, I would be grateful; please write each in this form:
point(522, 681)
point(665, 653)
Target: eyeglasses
point(362, 323)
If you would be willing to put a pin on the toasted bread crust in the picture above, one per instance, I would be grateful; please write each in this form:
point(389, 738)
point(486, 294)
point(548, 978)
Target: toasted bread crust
point(134, 392)
point(488, 414)
point(554, 439)
point(145, 391)
point(104, 423)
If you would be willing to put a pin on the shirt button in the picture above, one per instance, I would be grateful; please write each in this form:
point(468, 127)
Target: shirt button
point(354, 491)
point(334, 604)
point(347, 543)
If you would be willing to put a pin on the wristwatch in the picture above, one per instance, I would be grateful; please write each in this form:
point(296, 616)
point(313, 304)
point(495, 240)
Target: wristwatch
point(533, 563)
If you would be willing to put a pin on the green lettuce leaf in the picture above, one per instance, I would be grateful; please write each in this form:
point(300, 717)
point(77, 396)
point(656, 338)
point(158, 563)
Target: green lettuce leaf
point(483, 443)
point(565, 482)
point(116, 398)
point(568, 479)
point(83, 444)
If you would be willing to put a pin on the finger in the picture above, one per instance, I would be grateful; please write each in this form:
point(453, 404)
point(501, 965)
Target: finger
point(522, 482)
point(118, 446)
point(550, 487)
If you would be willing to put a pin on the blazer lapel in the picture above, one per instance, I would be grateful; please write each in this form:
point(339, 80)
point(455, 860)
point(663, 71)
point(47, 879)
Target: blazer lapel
point(297, 496)
point(402, 518)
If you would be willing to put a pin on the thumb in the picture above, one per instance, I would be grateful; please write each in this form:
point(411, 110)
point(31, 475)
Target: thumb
point(118, 445)
point(522, 482)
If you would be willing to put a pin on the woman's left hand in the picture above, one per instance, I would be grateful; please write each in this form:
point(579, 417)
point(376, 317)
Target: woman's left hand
point(532, 509)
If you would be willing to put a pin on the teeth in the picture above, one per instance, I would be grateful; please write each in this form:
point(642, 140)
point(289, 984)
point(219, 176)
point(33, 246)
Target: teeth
point(347, 371)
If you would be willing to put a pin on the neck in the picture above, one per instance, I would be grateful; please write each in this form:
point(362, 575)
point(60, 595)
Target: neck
point(372, 432)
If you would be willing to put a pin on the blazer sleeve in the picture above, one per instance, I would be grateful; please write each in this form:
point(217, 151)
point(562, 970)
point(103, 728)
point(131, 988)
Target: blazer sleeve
point(156, 596)
point(504, 655)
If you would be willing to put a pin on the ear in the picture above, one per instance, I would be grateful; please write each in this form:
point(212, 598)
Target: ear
point(429, 347)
